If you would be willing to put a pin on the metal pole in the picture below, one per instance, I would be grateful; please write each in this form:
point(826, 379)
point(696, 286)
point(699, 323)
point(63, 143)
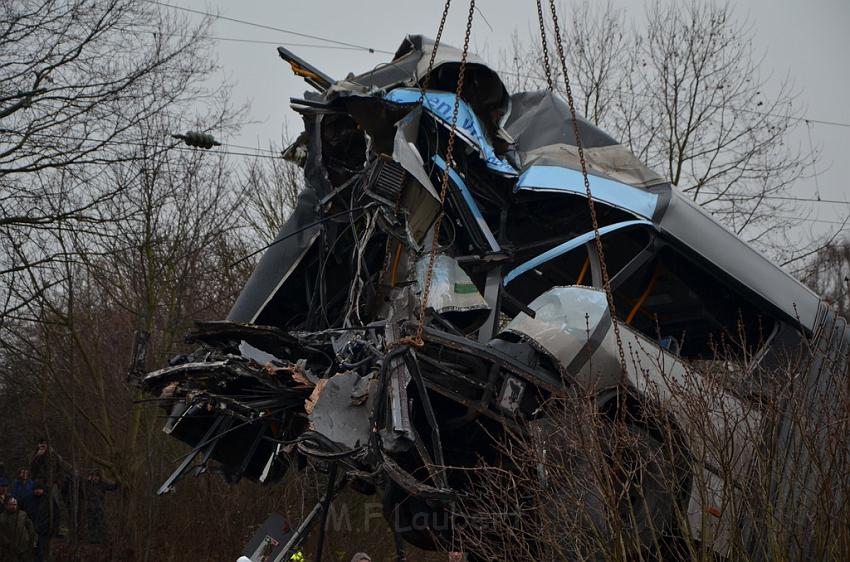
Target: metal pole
point(400, 556)
point(300, 533)
point(326, 504)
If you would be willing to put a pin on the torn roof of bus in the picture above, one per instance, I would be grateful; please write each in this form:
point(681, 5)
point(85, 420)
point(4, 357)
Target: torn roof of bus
point(528, 135)
point(314, 360)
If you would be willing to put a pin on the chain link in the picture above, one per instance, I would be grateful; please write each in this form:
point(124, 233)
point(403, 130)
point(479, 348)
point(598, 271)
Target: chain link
point(544, 44)
point(423, 87)
point(429, 272)
point(423, 305)
point(426, 80)
point(606, 282)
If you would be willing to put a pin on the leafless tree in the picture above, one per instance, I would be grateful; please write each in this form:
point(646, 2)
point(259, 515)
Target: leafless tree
point(583, 481)
point(270, 189)
point(165, 261)
point(687, 92)
point(108, 225)
point(77, 78)
point(828, 274)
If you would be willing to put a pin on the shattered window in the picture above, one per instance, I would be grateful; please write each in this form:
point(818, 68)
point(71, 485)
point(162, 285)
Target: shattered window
point(540, 220)
point(575, 266)
point(343, 147)
point(690, 311)
point(572, 268)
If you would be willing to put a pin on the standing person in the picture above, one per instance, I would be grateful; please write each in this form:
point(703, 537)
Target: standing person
point(46, 465)
point(17, 534)
point(22, 485)
point(44, 513)
point(4, 490)
point(94, 496)
point(72, 495)
point(40, 463)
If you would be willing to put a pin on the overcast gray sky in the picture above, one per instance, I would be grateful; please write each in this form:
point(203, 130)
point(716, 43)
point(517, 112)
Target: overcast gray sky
point(808, 41)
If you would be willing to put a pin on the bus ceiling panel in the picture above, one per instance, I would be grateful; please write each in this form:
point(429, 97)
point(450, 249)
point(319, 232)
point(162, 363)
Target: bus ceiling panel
point(557, 178)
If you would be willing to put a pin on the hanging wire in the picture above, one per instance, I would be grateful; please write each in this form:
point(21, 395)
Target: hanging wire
point(814, 160)
point(429, 272)
point(270, 27)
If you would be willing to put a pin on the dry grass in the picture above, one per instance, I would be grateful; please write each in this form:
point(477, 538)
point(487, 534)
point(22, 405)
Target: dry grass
point(613, 481)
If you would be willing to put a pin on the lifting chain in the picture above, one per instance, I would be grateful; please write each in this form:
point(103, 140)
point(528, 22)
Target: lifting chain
point(606, 282)
point(426, 80)
point(423, 87)
point(545, 44)
point(417, 340)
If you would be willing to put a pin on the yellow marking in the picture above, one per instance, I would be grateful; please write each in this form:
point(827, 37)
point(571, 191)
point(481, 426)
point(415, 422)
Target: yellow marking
point(394, 270)
point(584, 269)
point(644, 296)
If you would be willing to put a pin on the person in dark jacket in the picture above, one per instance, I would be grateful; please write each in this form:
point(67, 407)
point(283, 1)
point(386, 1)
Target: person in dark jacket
point(22, 485)
point(17, 534)
point(45, 515)
point(94, 497)
point(71, 495)
point(46, 465)
point(4, 490)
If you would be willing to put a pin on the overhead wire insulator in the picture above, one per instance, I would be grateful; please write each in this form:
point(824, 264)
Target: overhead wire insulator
point(198, 139)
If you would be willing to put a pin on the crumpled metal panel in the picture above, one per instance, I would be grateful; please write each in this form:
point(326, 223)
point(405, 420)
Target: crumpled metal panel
point(564, 320)
point(469, 128)
point(406, 153)
point(341, 412)
point(292, 243)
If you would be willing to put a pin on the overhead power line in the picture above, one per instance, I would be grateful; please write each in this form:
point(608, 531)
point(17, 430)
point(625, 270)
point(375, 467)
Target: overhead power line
point(753, 111)
point(822, 121)
point(272, 28)
point(154, 31)
point(276, 155)
point(177, 146)
point(355, 46)
point(279, 43)
point(778, 197)
point(257, 152)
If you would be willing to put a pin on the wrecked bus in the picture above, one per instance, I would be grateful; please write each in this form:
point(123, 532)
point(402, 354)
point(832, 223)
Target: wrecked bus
point(319, 356)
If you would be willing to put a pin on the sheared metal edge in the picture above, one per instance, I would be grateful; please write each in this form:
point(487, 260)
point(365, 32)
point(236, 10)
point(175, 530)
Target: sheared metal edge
point(336, 417)
point(546, 381)
point(406, 153)
point(470, 202)
point(441, 104)
point(413, 486)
